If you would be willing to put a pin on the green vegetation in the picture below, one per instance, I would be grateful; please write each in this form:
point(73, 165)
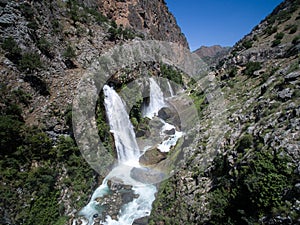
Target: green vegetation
point(233, 72)
point(292, 28)
point(271, 30)
point(247, 44)
point(199, 100)
point(278, 38)
point(13, 50)
point(30, 165)
point(256, 186)
point(172, 74)
point(29, 62)
point(69, 52)
point(120, 33)
point(246, 142)
point(296, 40)
point(251, 67)
point(80, 13)
point(45, 47)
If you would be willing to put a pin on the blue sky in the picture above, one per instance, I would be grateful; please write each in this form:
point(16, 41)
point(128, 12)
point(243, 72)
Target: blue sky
point(224, 22)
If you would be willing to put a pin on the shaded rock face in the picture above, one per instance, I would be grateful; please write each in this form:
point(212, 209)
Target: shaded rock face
point(150, 17)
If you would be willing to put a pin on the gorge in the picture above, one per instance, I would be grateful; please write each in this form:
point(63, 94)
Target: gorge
point(241, 153)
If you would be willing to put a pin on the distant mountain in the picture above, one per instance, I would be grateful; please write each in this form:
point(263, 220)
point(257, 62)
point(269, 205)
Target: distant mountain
point(212, 54)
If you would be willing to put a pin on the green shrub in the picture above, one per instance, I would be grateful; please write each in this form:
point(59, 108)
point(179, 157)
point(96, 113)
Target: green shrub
point(251, 67)
point(14, 52)
point(293, 29)
point(44, 45)
point(245, 142)
point(252, 189)
point(98, 16)
point(296, 40)
point(27, 10)
point(279, 36)
point(29, 62)
point(171, 74)
point(10, 137)
point(276, 42)
point(271, 30)
point(69, 52)
point(10, 45)
point(233, 72)
point(247, 44)
point(56, 26)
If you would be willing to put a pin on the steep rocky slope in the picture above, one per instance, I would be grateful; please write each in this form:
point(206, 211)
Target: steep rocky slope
point(45, 48)
point(152, 18)
point(254, 179)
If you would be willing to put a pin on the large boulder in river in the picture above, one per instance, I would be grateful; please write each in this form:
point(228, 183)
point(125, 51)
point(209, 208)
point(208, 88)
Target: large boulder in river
point(152, 156)
point(169, 115)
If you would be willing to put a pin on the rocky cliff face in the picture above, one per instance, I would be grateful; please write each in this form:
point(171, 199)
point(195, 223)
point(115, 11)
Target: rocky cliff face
point(45, 48)
point(150, 17)
point(255, 176)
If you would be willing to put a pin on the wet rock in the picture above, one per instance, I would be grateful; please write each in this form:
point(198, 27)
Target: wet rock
point(165, 113)
point(152, 156)
point(141, 221)
point(170, 132)
point(169, 115)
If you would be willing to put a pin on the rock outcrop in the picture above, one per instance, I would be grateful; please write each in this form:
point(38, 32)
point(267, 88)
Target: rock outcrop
point(152, 18)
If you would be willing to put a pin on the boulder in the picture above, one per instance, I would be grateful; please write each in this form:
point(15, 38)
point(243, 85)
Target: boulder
point(152, 156)
point(141, 221)
point(169, 115)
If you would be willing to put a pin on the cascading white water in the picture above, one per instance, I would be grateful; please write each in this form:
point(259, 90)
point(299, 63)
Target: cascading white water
point(121, 127)
point(170, 89)
point(156, 100)
point(128, 158)
point(171, 141)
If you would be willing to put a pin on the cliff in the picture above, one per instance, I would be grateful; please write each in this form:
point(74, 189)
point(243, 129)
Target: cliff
point(254, 178)
point(46, 46)
point(152, 18)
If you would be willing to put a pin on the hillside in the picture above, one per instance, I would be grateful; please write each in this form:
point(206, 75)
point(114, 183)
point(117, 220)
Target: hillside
point(46, 46)
point(255, 177)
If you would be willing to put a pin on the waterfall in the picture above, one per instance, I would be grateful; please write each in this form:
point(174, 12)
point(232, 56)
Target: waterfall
point(156, 100)
point(121, 127)
point(128, 158)
point(170, 89)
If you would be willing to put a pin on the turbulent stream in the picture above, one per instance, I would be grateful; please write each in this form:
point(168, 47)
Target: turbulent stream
point(128, 153)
